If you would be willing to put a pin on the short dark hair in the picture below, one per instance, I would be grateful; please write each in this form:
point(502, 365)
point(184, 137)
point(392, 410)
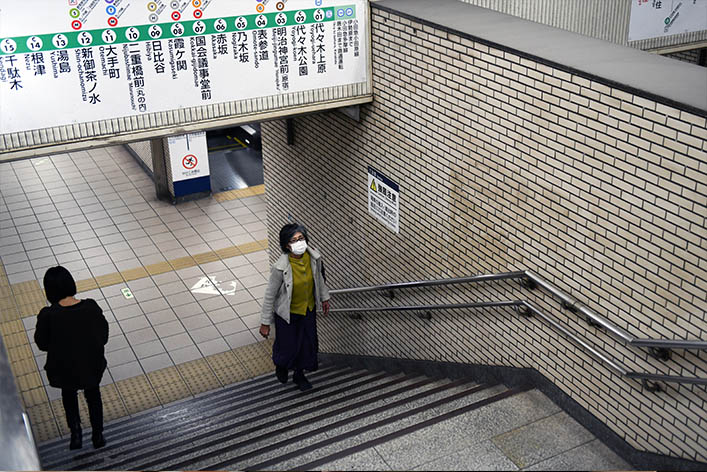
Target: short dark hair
point(58, 284)
point(289, 230)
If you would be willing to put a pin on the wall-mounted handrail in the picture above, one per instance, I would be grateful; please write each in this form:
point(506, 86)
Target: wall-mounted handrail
point(531, 310)
point(660, 346)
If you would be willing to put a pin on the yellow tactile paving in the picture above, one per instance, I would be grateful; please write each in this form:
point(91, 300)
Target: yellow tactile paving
point(134, 274)
point(23, 287)
point(141, 401)
point(182, 262)
point(86, 285)
point(23, 367)
point(29, 381)
point(222, 360)
point(18, 353)
point(9, 314)
point(232, 374)
point(109, 279)
point(11, 327)
point(158, 268)
point(241, 193)
point(34, 397)
point(259, 366)
point(6, 302)
point(40, 414)
point(166, 376)
point(206, 257)
point(133, 385)
point(44, 431)
point(27, 310)
point(171, 392)
point(228, 252)
point(248, 248)
point(113, 410)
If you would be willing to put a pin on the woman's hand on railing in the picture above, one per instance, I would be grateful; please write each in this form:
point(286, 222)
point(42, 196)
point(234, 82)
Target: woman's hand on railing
point(325, 307)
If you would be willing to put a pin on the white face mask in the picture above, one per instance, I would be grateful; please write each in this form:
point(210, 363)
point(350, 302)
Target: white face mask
point(299, 247)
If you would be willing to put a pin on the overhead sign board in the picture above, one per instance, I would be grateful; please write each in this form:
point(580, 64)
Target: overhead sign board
point(106, 62)
point(656, 18)
point(384, 200)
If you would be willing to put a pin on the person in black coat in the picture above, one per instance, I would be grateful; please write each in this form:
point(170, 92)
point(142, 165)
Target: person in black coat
point(73, 333)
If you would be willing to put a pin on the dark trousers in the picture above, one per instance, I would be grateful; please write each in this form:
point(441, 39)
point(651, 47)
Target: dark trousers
point(296, 344)
point(70, 399)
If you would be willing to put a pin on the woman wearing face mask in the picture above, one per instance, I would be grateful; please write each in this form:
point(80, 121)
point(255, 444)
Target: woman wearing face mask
point(295, 290)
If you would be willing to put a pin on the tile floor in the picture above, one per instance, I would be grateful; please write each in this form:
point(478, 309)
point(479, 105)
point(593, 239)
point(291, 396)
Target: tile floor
point(95, 212)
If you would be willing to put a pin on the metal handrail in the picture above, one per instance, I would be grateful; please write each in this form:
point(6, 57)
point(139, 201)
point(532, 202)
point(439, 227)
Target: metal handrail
point(660, 346)
point(530, 310)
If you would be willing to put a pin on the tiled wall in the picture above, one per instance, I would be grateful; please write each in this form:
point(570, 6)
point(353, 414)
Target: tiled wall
point(506, 164)
point(692, 56)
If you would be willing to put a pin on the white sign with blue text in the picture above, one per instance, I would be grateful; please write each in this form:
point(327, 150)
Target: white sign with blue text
point(384, 200)
point(189, 159)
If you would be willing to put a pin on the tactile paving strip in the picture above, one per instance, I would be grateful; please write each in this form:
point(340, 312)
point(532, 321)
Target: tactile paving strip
point(141, 401)
point(259, 366)
point(134, 274)
point(239, 193)
point(232, 374)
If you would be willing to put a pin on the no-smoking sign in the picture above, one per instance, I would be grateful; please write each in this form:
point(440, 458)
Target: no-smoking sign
point(189, 161)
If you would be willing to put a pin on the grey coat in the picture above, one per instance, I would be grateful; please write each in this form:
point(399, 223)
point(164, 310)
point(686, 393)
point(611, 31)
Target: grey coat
point(278, 295)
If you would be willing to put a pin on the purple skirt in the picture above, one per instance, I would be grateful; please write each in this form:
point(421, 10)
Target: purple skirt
point(296, 344)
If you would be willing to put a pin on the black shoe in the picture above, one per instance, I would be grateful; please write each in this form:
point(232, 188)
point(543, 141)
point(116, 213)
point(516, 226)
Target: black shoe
point(98, 440)
point(76, 439)
point(281, 374)
point(301, 381)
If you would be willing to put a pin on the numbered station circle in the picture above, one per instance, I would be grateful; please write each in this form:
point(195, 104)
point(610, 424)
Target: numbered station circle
point(300, 17)
point(109, 36)
point(261, 21)
point(318, 15)
point(76, 24)
point(84, 38)
point(132, 34)
point(220, 25)
point(152, 6)
point(74, 13)
point(241, 23)
point(281, 19)
point(196, 3)
point(176, 15)
point(260, 8)
point(174, 4)
point(177, 29)
point(280, 6)
point(34, 43)
point(198, 13)
point(349, 11)
point(60, 41)
point(110, 9)
point(199, 27)
point(155, 32)
point(153, 18)
point(112, 22)
point(8, 45)
point(340, 12)
point(318, 3)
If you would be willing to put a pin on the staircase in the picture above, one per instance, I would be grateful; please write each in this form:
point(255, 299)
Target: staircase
point(261, 424)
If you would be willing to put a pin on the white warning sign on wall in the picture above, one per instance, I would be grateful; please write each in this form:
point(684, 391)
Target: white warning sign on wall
point(384, 200)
